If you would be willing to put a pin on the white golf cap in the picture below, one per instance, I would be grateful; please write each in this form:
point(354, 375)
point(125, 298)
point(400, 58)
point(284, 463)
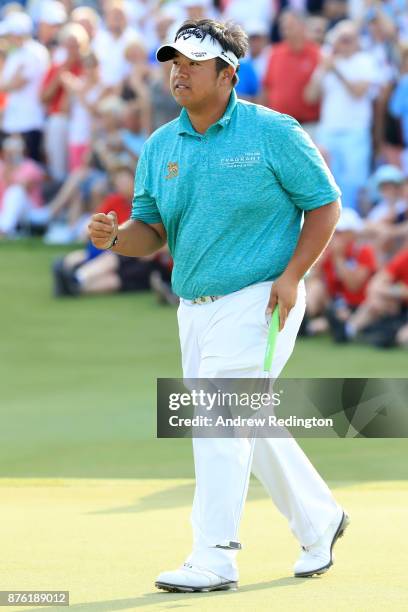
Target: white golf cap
point(257, 28)
point(350, 221)
point(190, 3)
point(198, 46)
point(17, 24)
point(52, 12)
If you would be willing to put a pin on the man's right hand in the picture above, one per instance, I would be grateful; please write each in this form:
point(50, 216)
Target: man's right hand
point(103, 229)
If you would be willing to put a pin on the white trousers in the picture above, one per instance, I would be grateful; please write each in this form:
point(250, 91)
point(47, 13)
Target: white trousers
point(56, 145)
point(227, 339)
point(16, 206)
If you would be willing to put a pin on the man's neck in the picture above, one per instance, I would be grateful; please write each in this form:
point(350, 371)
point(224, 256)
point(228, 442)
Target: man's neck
point(202, 119)
point(297, 45)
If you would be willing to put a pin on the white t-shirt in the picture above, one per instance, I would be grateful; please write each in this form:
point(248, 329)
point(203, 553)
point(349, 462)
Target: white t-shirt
point(340, 110)
point(24, 111)
point(110, 52)
point(80, 118)
point(242, 11)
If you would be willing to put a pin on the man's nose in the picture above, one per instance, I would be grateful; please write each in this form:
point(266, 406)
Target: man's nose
point(182, 70)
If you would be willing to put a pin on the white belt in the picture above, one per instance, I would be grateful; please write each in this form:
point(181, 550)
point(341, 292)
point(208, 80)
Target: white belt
point(204, 299)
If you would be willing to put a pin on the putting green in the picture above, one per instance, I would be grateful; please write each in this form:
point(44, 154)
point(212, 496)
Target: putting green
point(105, 541)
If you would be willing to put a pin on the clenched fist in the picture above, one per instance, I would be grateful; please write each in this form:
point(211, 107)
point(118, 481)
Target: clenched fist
point(103, 229)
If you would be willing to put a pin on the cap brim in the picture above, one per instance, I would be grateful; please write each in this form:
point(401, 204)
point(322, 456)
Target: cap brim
point(168, 52)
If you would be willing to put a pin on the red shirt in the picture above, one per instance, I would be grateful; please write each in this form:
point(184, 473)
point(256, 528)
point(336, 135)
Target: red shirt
point(362, 255)
point(398, 267)
point(119, 204)
point(287, 74)
point(60, 100)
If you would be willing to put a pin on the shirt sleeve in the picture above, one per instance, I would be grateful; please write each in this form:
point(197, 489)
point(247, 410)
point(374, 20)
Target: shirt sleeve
point(301, 169)
point(366, 258)
point(398, 265)
point(144, 207)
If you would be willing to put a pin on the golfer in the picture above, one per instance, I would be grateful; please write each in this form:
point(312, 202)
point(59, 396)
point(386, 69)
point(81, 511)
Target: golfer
point(227, 185)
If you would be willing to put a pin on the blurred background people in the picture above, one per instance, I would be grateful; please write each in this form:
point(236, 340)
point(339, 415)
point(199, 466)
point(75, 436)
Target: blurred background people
point(21, 77)
point(344, 82)
point(298, 57)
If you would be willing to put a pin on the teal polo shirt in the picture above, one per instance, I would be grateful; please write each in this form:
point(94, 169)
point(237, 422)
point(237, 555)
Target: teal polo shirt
point(232, 199)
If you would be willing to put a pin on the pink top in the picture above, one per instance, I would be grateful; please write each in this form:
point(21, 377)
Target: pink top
point(29, 173)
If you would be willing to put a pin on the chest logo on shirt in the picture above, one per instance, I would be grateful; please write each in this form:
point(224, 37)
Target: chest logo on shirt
point(245, 160)
point(173, 170)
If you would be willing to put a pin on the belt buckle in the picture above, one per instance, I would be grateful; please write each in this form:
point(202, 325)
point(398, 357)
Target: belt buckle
point(205, 299)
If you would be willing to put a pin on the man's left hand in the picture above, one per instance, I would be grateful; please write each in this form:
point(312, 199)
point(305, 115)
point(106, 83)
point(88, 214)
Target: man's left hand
point(284, 294)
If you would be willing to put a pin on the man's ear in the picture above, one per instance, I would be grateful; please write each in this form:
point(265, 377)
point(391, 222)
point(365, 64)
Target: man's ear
point(228, 74)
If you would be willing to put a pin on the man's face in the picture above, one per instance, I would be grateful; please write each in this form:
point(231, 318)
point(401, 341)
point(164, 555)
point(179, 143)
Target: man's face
point(115, 21)
point(291, 28)
point(193, 83)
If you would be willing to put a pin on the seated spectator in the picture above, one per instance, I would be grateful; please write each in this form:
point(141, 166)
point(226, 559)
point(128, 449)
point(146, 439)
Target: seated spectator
point(22, 74)
point(93, 271)
point(382, 319)
point(388, 181)
point(338, 282)
point(21, 179)
point(387, 220)
point(345, 83)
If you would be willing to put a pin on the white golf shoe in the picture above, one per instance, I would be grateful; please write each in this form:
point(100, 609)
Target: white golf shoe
point(318, 558)
point(190, 578)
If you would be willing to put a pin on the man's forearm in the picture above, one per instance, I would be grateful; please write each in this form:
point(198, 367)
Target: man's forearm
point(316, 232)
point(137, 239)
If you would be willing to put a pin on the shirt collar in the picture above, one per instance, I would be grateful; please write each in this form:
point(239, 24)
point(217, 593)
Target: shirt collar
point(185, 126)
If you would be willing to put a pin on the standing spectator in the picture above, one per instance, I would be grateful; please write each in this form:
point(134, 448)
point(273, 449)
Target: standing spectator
point(243, 11)
point(85, 93)
point(23, 71)
point(88, 18)
point(291, 64)
point(52, 16)
point(379, 40)
point(110, 44)
point(399, 104)
point(344, 82)
point(248, 86)
point(75, 41)
point(316, 27)
point(163, 106)
point(259, 48)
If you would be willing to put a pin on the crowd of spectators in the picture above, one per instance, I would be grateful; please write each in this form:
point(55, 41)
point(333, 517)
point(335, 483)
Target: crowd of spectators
point(80, 92)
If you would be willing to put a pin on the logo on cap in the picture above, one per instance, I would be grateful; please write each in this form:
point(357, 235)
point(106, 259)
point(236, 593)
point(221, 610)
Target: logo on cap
point(186, 34)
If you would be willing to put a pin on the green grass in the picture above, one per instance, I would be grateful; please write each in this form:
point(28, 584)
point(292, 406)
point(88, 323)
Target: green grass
point(79, 377)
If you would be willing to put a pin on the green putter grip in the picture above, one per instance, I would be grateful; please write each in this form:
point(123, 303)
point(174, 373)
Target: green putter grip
point(271, 343)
